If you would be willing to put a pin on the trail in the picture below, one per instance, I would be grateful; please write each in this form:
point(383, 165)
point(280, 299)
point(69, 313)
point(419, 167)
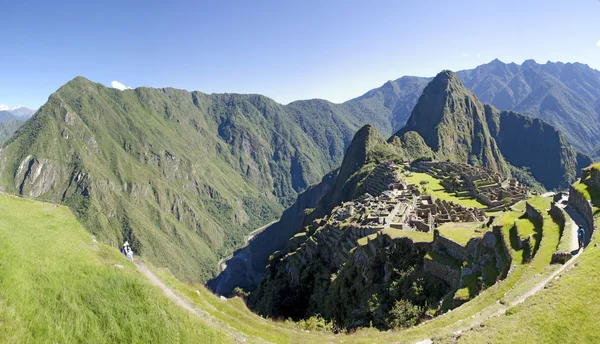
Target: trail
point(186, 304)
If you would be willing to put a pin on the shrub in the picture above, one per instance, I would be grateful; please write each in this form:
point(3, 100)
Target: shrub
point(403, 314)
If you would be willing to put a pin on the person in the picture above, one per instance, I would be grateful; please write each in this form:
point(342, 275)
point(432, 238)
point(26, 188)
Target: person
point(124, 248)
point(580, 236)
point(129, 253)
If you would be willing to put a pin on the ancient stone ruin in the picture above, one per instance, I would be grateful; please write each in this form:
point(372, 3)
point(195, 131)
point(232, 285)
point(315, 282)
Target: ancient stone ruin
point(483, 184)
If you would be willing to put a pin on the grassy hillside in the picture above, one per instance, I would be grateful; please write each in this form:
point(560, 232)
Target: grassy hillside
point(58, 286)
point(183, 176)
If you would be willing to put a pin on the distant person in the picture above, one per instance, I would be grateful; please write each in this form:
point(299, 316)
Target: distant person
point(580, 236)
point(125, 248)
point(129, 253)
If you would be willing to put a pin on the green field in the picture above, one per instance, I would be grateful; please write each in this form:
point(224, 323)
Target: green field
point(436, 190)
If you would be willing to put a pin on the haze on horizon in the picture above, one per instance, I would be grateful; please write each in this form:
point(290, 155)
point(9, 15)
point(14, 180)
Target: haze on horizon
point(336, 50)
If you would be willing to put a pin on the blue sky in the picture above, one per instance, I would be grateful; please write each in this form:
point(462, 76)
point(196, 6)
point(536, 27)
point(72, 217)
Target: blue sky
point(287, 50)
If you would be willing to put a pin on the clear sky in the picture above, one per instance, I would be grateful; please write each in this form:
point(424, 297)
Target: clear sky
point(287, 50)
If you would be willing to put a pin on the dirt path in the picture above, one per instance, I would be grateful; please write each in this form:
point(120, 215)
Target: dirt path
point(181, 301)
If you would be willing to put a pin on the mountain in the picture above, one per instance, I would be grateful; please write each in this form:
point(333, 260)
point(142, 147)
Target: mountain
point(182, 176)
point(7, 116)
point(565, 95)
point(8, 128)
point(460, 128)
point(22, 112)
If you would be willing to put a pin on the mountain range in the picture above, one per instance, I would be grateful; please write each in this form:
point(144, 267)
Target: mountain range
point(184, 176)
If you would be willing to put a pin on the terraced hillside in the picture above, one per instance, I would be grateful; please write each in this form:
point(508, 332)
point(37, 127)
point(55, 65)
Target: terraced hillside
point(538, 301)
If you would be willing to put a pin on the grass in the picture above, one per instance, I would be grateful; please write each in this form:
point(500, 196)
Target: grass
point(436, 190)
point(399, 233)
point(57, 286)
point(564, 244)
point(443, 259)
point(461, 232)
point(565, 312)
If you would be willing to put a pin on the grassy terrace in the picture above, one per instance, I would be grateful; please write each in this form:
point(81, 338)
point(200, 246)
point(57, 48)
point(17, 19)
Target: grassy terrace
point(562, 313)
point(461, 232)
point(434, 188)
point(57, 286)
point(399, 233)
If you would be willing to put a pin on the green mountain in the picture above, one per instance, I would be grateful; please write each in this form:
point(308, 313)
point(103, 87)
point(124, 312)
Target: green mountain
point(459, 128)
point(183, 176)
point(8, 128)
point(565, 95)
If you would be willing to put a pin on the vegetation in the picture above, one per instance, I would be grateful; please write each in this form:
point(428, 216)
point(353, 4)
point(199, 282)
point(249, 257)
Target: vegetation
point(461, 232)
point(446, 114)
point(57, 285)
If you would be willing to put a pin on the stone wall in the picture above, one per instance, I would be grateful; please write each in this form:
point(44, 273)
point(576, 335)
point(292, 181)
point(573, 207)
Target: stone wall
point(533, 213)
point(558, 216)
point(591, 177)
point(445, 272)
point(578, 202)
point(505, 245)
point(449, 247)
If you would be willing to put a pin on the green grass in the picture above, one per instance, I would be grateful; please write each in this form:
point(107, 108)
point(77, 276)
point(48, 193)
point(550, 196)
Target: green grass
point(443, 259)
point(461, 232)
point(57, 286)
point(436, 190)
point(398, 233)
point(564, 244)
point(565, 312)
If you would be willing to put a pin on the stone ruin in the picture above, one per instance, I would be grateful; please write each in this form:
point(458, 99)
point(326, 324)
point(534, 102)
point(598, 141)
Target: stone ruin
point(400, 205)
point(483, 184)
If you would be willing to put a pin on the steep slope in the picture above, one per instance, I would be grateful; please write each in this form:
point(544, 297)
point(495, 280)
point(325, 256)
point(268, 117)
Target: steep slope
point(7, 116)
point(8, 128)
point(182, 176)
point(452, 122)
point(565, 95)
point(58, 285)
point(245, 268)
point(458, 127)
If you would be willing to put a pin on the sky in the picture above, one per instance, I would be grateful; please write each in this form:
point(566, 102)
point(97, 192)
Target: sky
point(287, 50)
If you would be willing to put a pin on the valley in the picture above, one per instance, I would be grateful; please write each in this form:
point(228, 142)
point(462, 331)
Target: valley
point(432, 233)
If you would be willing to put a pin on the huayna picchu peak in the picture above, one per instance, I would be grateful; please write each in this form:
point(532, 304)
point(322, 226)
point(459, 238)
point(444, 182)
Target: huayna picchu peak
point(459, 128)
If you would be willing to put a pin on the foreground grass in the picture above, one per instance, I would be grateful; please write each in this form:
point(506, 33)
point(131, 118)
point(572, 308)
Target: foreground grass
point(436, 190)
point(57, 286)
point(565, 312)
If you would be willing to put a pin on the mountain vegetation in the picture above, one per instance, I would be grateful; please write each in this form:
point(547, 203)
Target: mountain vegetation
point(460, 128)
point(182, 176)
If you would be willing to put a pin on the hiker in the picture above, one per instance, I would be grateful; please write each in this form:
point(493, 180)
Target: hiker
point(129, 253)
point(124, 248)
point(580, 236)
